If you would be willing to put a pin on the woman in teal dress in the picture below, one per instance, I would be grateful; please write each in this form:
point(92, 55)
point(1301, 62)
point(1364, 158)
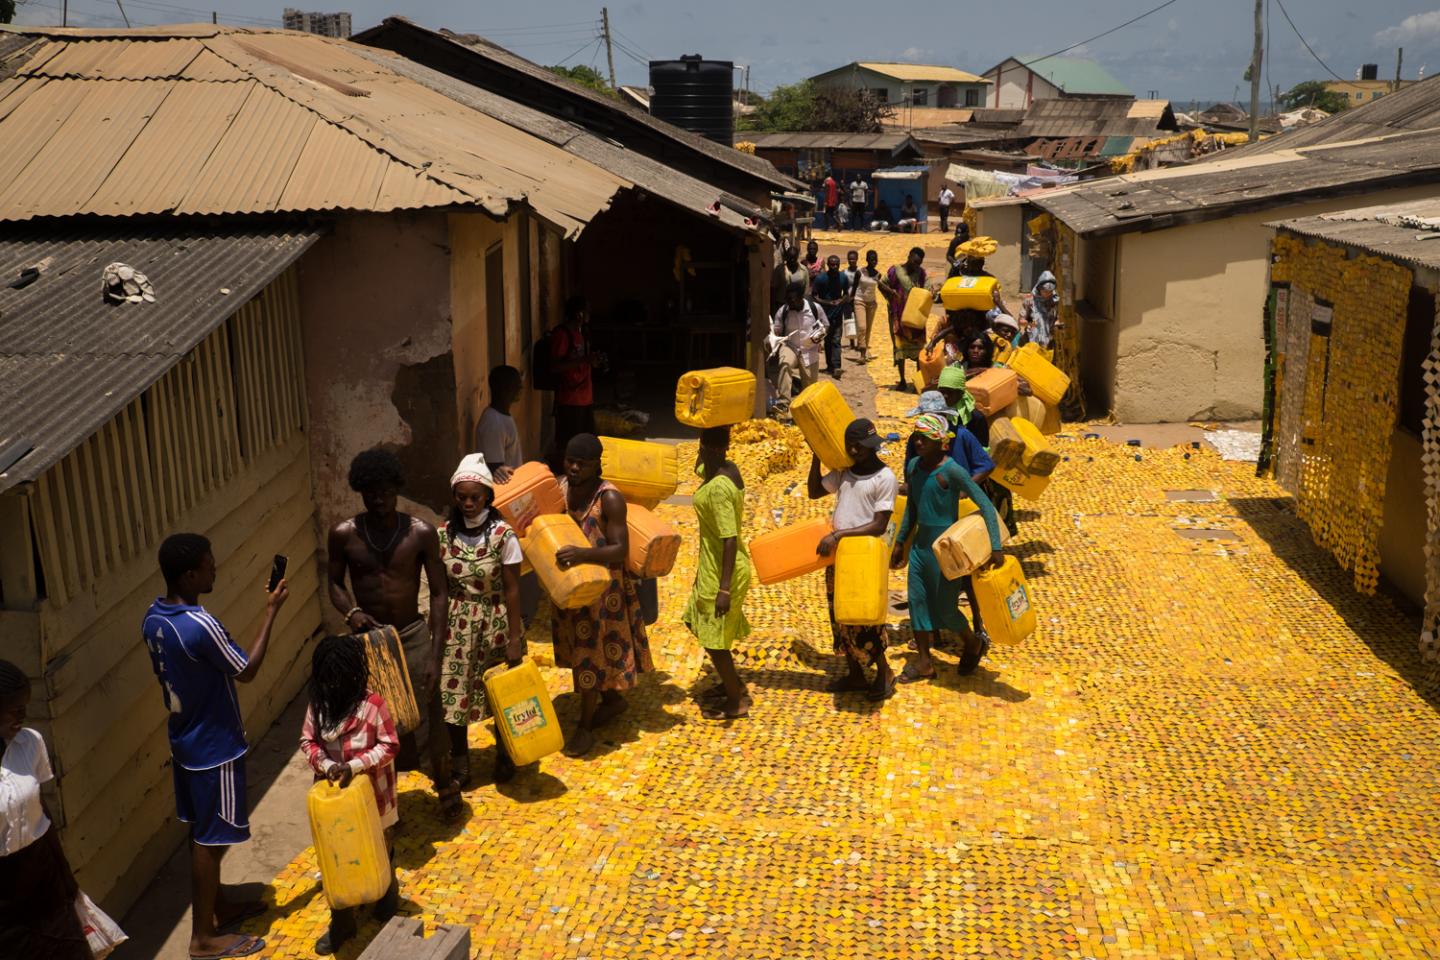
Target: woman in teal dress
point(715, 612)
point(936, 484)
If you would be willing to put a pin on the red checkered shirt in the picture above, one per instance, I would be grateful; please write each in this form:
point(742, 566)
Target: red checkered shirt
point(367, 741)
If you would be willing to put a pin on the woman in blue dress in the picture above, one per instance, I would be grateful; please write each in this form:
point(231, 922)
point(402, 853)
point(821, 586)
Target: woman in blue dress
point(936, 484)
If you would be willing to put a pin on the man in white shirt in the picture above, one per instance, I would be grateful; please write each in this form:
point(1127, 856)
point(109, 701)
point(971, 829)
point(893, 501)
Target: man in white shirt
point(859, 195)
point(798, 329)
point(947, 197)
point(496, 435)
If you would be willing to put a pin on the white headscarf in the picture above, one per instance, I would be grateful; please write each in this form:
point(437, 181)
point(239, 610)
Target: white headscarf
point(473, 468)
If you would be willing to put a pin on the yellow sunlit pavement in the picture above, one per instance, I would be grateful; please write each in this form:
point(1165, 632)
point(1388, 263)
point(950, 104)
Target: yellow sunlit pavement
point(1210, 748)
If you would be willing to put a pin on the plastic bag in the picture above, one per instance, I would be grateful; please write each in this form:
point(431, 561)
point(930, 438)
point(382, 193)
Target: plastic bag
point(103, 934)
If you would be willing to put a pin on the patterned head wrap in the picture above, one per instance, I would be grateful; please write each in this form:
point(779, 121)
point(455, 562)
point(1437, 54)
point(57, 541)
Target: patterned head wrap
point(473, 468)
point(934, 426)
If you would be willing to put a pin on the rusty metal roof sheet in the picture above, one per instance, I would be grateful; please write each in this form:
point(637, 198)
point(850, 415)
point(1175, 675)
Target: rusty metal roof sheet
point(69, 361)
point(229, 121)
point(1409, 231)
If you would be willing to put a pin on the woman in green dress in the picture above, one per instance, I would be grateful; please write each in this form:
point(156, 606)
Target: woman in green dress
point(936, 484)
point(715, 612)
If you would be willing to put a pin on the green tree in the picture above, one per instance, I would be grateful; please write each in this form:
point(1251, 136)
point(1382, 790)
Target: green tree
point(1312, 93)
point(584, 75)
point(799, 106)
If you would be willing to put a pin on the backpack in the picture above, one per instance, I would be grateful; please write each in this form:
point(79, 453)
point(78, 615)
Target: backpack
point(541, 376)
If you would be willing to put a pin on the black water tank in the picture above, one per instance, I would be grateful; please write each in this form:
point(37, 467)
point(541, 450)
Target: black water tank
point(696, 94)
point(1369, 71)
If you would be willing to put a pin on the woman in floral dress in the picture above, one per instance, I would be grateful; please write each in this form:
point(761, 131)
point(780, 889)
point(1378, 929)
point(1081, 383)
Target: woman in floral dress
point(482, 569)
point(603, 644)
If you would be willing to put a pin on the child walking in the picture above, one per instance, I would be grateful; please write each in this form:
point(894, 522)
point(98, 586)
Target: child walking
point(348, 731)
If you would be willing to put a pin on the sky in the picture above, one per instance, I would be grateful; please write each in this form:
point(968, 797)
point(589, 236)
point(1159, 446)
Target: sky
point(1190, 50)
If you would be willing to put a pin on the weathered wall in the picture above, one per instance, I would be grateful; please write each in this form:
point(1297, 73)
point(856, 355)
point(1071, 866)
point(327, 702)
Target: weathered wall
point(375, 295)
point(1189, 300)
point(1011, 92)
point(1001, 221)
point(1403, 530)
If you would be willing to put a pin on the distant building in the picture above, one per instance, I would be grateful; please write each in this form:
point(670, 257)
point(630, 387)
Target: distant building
point(1363, 91)
point(1017, 82)
point(907, 84)
point(324, 24)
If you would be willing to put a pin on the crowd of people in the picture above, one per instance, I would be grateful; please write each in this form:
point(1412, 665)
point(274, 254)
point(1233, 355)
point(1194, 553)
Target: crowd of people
point(857, 207)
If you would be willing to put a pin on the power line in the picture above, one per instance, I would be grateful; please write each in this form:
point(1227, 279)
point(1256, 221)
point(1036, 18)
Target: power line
point(632, 43)
point(1307, 45)
point(1106, 33)
point(561, 63)
point(625, 49)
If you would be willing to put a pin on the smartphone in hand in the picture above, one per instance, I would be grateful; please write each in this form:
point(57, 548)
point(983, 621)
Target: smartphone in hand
point(277, 572)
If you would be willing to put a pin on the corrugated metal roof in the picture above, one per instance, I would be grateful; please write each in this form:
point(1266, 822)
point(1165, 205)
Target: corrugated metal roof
point(1409, 232)
point(890, 141)
point(475, 60)
point(924, 72)
point(1096, 118)
point(69, 361)
point(229, 121)
point(1285, 169)
point(1076, 75)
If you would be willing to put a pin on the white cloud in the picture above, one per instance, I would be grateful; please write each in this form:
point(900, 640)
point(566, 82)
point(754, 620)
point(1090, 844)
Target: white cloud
point(1419, 28)
point(913, 53)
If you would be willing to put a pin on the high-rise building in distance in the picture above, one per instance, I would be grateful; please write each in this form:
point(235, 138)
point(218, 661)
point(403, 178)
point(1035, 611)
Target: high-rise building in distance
point(325, 24)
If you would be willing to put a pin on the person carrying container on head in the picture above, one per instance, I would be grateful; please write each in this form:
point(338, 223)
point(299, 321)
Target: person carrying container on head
point(864, 499)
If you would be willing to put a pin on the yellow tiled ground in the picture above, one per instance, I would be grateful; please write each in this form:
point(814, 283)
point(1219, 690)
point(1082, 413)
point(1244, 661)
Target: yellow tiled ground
point(1211, 748)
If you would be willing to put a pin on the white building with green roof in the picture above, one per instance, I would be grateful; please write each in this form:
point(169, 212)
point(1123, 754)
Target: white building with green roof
point(1017, 82)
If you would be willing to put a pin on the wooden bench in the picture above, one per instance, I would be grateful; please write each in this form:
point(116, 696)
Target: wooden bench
point(403, 938)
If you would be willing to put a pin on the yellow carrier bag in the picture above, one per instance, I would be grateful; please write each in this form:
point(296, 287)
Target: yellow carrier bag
point(1046, 380)
point(389, 676)
point(524, 714)
point(349, 842)
point(822, 415)
point(969, 293)
point(1004, 601)
point(643, 472)
point(790, 551)
point(963, 547)
point(577, 586)
point(917, 308)
point(862, 581)
point(715, 398)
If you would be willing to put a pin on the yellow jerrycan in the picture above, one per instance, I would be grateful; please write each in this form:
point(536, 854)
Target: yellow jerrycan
point(917, 308)
point(524, 714)
point(1046, 380)
point(862, 581)
point(969, 293)
point(715, 398)
point(962, 547)
point(822, 416)
point(580, 585)
point(349, 842)
point(1016, 442)
point(892, 529)
point(1020, 481)
point(642, 471)
point(1004, 600)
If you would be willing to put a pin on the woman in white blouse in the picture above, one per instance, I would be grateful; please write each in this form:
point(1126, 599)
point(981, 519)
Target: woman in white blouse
point(37, 889)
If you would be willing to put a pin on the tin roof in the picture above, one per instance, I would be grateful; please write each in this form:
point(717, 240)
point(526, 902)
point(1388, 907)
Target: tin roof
point(892, 141)
point(1074, 75)
point(220, 120)
point(1409, 232)
point(70, 360)
point(1096, 118)
point(921, 72)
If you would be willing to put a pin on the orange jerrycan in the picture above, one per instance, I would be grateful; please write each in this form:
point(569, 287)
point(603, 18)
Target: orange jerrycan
point(1046, 380)
point(969, 293)
point(931, 362)
point(917, 308)
point(790, 551)
point(524, 715)
point(993, 388)
point(654, 544)
point(862, 581)
point(531, 491)
point(349, 842)
point(1004, 600)
point(578, 586)
point(715, 398)
point(641, 471)
point(822, 415)
point(962, 547)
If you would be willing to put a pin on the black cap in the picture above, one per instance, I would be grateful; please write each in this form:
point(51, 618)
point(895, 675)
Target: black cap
point(861, 433)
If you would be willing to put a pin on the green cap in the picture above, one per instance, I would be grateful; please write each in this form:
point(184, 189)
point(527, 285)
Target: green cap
point(952, 378)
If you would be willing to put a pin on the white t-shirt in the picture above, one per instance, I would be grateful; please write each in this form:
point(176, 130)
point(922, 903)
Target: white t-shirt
point(799, 328)
point(497, 437)
point(858, 499)
point(947, 197)
point(25, 766)
point(510, 552)
point(858, 191)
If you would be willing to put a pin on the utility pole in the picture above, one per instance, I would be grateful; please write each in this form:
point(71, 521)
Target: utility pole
point(1255, 64)
point(214, 17)
point(122, 13)
point(64, 13)
point(609, 51)
point(1399, 59)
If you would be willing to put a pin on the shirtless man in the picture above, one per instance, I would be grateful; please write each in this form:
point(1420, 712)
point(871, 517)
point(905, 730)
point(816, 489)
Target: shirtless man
point(383, 552)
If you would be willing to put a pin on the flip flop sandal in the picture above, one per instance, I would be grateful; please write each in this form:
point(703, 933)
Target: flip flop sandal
point(715, 713)
point(909, 675)
point(244, 947)
point(253, 908)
